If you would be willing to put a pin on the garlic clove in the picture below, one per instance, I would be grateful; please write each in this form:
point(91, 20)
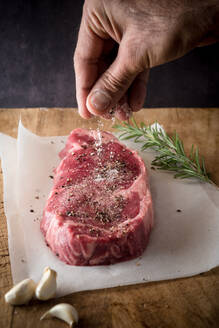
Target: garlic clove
point(21, 293)
point(62, 311)
point(46, 288)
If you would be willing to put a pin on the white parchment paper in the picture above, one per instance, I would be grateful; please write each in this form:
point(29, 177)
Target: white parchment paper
point(182, 243)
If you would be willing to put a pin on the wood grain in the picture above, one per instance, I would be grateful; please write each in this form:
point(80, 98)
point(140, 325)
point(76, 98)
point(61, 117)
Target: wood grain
point(181, 303)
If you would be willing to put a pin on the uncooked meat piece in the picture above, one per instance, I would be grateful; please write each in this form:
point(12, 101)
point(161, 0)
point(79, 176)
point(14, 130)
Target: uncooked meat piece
point(100, 209)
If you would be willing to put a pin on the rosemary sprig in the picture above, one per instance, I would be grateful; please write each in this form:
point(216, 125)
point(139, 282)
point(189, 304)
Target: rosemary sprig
point(171, 154)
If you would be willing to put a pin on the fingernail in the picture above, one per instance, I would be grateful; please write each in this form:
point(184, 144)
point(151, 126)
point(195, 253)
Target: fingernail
point(100, 100)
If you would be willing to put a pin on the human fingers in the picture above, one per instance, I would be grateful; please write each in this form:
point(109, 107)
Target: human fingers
point(137, 91)
point(88, 51)
point(122, 109)
point(113, 83)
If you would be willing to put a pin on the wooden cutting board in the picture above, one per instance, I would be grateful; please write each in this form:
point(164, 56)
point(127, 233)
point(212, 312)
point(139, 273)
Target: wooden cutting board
point(182, 303)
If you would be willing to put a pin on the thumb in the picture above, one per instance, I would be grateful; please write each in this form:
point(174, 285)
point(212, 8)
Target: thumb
point(112, 84)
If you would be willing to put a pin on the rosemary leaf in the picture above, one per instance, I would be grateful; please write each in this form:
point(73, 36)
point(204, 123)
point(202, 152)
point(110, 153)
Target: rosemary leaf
point(171, 154)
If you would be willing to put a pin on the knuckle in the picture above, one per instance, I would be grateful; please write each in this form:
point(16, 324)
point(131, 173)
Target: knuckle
point(82, 59)
point(113, 82)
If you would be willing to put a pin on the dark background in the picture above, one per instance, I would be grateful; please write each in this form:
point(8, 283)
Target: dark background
point(37, 41)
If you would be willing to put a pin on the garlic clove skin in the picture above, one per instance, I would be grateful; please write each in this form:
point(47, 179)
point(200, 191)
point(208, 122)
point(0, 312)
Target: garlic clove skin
point(46, 288)
point(21, 293)
point(62, 311)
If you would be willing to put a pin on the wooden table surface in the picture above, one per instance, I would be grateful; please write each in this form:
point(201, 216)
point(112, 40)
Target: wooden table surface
point(190, 302)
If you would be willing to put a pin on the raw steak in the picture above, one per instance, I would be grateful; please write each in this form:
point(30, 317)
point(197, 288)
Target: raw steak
point(100, 209)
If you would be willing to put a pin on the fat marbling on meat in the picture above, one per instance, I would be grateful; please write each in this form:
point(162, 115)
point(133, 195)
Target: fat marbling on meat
point(99, 210)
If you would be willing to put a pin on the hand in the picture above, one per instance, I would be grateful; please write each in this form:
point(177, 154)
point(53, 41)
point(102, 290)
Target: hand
point(120, 40)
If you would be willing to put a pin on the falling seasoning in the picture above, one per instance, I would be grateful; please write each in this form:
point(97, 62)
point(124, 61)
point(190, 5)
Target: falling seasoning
point(32, 211)
point(51, 177)
point(179, 211)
